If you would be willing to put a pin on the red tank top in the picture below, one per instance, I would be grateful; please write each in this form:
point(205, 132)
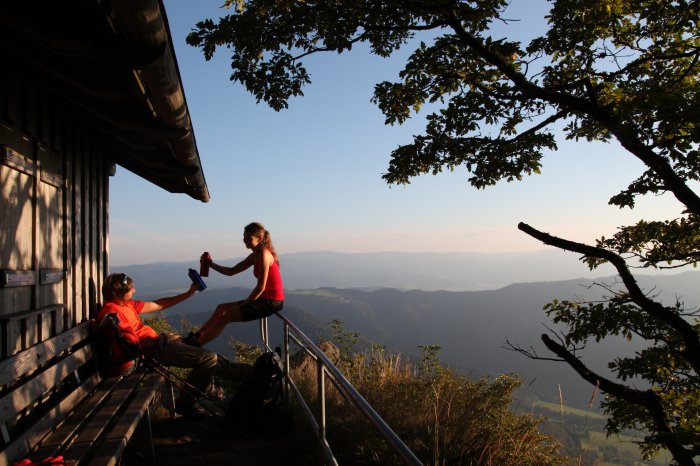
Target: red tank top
point(273, 286)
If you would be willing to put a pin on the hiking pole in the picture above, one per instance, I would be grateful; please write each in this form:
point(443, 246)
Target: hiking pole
point(186, 388)
point(169, 376)
point(182, 384)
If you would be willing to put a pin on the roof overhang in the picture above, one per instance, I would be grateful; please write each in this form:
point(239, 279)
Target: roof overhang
point(115, 62)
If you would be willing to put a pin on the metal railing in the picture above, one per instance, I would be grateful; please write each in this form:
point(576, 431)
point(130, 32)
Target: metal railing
point(326, 369)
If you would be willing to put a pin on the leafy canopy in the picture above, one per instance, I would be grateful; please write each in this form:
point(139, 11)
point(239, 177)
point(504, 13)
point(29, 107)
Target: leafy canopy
point(618, 71)
point(605, 69)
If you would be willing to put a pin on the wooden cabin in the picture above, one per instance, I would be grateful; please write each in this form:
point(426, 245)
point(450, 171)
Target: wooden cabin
point(85, 85)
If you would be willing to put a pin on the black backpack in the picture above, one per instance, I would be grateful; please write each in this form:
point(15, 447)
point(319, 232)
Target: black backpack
point(258, 403)
point(117, 349)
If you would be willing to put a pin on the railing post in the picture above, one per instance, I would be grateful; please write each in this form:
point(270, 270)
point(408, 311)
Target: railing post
point(321, 399)
point(287, 373)
point(264, 333)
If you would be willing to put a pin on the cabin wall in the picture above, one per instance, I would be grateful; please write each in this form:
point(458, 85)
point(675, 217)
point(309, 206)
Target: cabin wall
point(54, 180)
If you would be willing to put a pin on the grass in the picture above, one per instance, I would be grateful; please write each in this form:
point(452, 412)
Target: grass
point(587, 442)
point(624, 448)
point(556, 408)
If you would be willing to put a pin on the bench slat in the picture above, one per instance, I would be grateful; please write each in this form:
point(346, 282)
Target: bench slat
point(116, 441)
point(17, 400)
point(65, 433)
point(97, 424)
point(92, 423)
point(28, 360)
point(26, 442)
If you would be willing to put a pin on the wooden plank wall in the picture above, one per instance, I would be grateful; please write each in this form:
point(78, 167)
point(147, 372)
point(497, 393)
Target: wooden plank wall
point(53, 211)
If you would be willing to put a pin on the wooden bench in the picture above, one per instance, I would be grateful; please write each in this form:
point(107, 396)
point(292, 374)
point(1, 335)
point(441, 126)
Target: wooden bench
point(54, 401)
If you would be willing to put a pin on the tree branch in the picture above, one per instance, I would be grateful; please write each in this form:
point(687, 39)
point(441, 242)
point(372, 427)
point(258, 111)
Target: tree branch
point(656, 310)
point(415, 27)
point(313, 50)
point(530, 353)
point(647, 399)
point(643, 60)
point(557, 116)
point(624, 135)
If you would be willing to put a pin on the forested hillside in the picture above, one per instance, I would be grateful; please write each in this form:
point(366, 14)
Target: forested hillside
point(470, 327)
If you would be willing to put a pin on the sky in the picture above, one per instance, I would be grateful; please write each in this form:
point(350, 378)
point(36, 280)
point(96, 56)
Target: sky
point(312, 173)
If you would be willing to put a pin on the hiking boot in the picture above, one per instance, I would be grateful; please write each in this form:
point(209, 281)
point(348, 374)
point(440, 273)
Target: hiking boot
point(190, 412)
point(191, 339)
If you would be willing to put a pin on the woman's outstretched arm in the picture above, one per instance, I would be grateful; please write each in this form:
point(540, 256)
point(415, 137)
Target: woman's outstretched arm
point(230, 271)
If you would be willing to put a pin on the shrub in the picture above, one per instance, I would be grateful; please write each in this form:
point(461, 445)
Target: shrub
point(444, 417)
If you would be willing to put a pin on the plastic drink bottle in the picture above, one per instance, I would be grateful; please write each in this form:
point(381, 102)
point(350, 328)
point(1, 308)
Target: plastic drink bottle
point(194, 276)
point(204, 262)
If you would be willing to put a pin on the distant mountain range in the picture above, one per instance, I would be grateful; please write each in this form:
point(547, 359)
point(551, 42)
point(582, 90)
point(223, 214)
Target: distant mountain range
point(400, 270)
point(470, 326)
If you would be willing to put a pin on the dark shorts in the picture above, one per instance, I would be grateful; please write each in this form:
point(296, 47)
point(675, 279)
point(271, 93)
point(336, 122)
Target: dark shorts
point(260, 308)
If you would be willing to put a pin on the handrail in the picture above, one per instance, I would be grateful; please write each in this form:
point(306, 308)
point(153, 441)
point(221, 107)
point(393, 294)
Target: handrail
point(326, 367)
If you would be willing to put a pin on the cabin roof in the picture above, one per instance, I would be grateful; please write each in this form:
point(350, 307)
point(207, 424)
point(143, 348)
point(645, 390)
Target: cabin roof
point(115, 62)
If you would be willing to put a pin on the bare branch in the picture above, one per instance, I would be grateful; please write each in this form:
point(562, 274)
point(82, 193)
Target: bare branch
point(530, 353)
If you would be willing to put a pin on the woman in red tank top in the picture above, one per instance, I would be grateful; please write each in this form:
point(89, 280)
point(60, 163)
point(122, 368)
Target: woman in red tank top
point(266, 298)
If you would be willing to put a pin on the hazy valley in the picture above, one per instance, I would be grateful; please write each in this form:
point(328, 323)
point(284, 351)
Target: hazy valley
point(401, 270)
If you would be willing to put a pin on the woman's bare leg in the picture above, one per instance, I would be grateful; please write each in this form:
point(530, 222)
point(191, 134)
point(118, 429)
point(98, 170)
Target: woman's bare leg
point(213, 320)
point(224, 314)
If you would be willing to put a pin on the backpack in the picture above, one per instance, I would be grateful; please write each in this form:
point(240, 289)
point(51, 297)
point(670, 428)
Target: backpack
point(258, 403)
point(118, 346)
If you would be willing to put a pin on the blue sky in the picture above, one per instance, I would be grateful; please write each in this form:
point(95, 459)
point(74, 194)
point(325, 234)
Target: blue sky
point(312, 173)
